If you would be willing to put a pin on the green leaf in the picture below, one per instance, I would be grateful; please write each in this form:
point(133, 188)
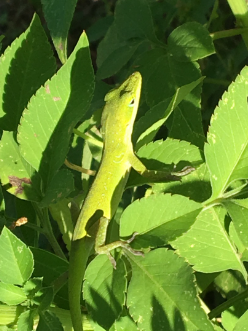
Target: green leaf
point(158, 219)
point(48, 265)
point(161, 155)
point(49, 322)
point(134, 20)
point(57, 189)
point(11, 294)
point(195, 185)
point(58, 16)
point(46, 126)
point(16, 258)
point(207, 245)
point(26, 321)
point(187, 120)
point(132, 27)
point(170, 151)
point(124, 323)
point(114, 52)
point(24, 67)
point(229, 283)
point(160, 113)
point(24, 181)
point(238, 210)
point(104, 290)
point(117, 59)
point(230, 316)
point(111, 42)
point(61, 213)
point(162, 293)
point(99, 28)
point(4, 327)
point(242, 322)
point(8, 314)
point(190, 42)
point(44, 298)
point(165, 75)
point(227, 149)
point(32, 286)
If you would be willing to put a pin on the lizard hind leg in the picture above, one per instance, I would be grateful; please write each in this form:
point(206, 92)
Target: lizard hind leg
point(101, 248)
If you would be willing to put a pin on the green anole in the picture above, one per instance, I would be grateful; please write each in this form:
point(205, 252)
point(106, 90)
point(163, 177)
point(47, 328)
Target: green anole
point(106, 191)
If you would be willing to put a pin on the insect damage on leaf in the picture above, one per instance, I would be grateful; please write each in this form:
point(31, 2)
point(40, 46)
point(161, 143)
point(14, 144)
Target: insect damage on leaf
point(17, 182)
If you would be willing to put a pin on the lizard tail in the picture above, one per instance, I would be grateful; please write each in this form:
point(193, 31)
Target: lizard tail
point(79, 253)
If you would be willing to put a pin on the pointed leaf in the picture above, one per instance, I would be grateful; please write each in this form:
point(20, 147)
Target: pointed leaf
point(134, 20)
point(169, 155)
point(190, 42)
point(242, 322)
point(187, 120)
point(117, 59)
point(26, 320)
point(227, 148)
point(24, 182)
point(44, 298)
point(166, 76)
point(16, 258)
point(48, 265)
point(207, 245)
point(30, 58)
point(195, 185)
point(104, 290)
point(61, 213)
point(58, 15)
point(162, 293)
point(11, 294)
point(159, 219)
point(160, 113)
point(47, 124)
point(170, 151)
point(124, 323)
point(49, 322)
point(230, 316)
point(57, 189)
point(238, 210)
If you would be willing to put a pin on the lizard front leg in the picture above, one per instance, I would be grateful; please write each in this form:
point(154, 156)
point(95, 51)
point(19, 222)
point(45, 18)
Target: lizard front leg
point(102, 248)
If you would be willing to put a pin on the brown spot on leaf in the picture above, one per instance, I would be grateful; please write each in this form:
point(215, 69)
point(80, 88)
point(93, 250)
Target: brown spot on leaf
point(47, 89)
point(17, 182)
point(60, 46)
point(56, 98)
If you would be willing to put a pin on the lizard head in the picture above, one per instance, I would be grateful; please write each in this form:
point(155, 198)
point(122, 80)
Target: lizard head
point(121, 107)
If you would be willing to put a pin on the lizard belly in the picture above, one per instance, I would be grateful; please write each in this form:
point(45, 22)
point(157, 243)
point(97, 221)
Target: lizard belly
point(108, 183)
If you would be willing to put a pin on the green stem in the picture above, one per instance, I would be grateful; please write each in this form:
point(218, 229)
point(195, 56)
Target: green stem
point(224, 306)
point(240, 11)
point(221, 82)
point(92, 139)
point(227, 33)
point(48, 231)
point(35, 227)
point(79, 254)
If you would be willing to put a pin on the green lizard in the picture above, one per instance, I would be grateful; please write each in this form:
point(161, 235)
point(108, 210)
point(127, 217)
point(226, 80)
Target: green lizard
point(106, 191)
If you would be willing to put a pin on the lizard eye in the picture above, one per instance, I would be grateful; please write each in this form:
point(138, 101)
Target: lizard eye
point(132, 103)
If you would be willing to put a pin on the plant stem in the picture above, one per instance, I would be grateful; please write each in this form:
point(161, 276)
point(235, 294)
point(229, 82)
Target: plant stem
point(91, 138)
point(224, 306)
point(240, 11)
point(48, 231)
point(227, 33)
